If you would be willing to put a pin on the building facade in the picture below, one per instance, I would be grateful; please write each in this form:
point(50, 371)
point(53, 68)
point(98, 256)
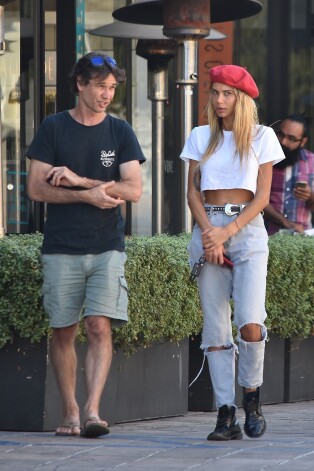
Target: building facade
point(43, 39)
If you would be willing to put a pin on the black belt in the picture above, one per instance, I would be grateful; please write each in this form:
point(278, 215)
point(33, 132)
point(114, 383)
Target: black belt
point(229, 209)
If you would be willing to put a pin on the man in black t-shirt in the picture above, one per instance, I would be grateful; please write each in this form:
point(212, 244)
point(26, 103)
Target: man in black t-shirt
point(85, 164)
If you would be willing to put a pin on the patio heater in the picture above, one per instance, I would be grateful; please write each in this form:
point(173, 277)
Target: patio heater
point(186, 22)
point(2, 49)
point(158, 53)
point(158, 50)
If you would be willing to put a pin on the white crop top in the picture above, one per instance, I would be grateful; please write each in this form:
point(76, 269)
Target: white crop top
point(223, 169)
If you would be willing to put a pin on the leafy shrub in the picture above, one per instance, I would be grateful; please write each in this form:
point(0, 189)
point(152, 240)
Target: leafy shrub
point(163, 303)
point(21, 311)
point(290, 286)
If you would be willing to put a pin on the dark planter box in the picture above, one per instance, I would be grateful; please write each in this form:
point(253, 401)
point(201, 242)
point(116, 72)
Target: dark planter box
point(299, 370)
point(151, 383)
point(201, 396)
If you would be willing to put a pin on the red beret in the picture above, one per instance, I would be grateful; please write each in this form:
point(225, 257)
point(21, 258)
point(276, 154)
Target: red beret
point(236, 77)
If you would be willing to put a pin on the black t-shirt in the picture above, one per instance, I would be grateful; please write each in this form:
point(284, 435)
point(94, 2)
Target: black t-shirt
point(93, 152)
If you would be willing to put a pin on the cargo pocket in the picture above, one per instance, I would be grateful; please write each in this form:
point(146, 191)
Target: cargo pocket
point(122, 306)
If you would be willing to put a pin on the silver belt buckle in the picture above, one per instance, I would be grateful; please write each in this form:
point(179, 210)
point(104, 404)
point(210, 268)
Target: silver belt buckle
point(229, 211)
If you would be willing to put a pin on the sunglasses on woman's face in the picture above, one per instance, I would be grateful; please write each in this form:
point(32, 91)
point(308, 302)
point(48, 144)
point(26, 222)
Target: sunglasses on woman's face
point(99, 61)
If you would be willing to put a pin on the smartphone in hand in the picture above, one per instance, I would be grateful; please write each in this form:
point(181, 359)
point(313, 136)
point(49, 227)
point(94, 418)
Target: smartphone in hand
point(300, 184)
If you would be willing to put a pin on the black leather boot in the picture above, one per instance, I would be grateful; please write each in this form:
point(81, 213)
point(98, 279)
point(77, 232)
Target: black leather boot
point(227, 426)
point(255, 424)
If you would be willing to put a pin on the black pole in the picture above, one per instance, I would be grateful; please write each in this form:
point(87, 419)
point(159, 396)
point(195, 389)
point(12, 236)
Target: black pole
point(66, 51)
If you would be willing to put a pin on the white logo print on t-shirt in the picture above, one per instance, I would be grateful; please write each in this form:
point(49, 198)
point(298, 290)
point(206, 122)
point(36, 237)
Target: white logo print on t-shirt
point(107, 158)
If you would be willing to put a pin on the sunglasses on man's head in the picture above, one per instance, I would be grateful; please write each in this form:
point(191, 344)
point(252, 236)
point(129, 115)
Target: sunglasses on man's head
point(99, 61)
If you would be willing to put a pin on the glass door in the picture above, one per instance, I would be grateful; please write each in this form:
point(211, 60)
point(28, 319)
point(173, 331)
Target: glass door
point(17, 112)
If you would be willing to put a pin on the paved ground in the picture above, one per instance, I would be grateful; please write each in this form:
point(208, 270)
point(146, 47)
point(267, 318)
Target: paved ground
point(171, 444)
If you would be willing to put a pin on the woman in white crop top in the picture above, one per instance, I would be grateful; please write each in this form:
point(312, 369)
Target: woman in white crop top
point(230, 171)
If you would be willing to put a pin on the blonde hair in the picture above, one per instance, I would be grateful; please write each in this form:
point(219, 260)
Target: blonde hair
point(245, 119)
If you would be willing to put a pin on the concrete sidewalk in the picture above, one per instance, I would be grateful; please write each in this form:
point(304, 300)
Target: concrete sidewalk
point(171, 444)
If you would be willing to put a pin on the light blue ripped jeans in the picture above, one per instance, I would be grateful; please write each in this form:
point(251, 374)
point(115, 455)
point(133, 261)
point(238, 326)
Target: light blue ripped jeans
point(246, 284)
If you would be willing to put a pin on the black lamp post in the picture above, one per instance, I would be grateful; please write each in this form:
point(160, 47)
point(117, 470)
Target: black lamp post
point(186, 21)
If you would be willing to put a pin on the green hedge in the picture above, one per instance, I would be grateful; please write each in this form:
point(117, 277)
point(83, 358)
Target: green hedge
point(290, 286)
point(163, 303)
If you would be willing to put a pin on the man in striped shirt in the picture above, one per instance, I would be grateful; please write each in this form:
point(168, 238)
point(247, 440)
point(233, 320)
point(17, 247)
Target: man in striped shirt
point(292, 191)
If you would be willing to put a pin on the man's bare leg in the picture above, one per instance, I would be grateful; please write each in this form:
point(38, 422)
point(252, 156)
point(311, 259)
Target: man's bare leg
point(97, 362)
point(64, 361)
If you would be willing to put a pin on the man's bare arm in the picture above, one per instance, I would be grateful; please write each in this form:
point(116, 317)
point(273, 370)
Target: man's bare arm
point(278, 218)
point(129, 188)
point(40, 187)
